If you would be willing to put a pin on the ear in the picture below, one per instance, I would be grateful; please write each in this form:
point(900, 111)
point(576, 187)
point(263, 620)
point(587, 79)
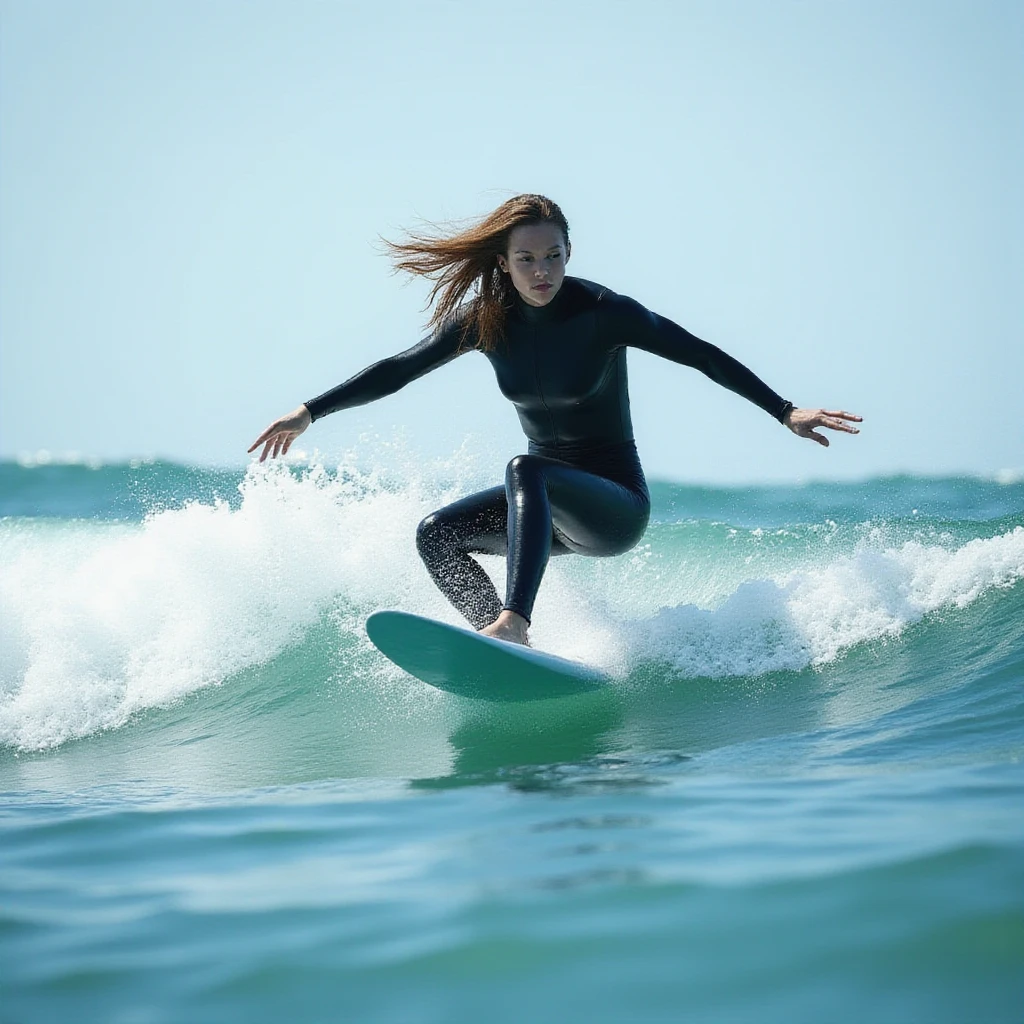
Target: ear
point(502, 264)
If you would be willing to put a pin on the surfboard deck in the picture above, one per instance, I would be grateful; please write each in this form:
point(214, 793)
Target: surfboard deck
point(462, 661)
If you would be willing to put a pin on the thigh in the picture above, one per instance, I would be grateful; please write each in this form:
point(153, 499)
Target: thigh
point(479, 523)
point(592, 515)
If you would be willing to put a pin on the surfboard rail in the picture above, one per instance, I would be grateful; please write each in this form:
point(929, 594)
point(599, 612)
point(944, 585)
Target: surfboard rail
point(461, 661)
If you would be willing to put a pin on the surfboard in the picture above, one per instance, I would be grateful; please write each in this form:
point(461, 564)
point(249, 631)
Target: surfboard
point(462, 661)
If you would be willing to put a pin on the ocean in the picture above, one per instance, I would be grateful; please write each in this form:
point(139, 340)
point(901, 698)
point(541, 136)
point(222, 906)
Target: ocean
point(802, 798)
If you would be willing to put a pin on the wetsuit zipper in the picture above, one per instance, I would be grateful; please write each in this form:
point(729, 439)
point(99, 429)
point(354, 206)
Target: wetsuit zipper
point(540, 388)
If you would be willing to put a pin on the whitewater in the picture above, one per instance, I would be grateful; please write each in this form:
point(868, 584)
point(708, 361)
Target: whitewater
point(799, 799)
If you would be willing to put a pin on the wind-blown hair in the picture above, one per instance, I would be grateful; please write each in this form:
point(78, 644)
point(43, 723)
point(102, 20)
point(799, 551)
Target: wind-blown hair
point(467, 262)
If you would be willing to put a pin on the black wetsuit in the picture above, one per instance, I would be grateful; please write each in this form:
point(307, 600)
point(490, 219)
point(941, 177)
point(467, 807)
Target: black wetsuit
point(581, 487)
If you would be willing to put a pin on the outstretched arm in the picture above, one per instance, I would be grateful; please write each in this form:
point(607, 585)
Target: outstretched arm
point(376, 381)
point(638, 326)
point(659, 335)
point(391, 374)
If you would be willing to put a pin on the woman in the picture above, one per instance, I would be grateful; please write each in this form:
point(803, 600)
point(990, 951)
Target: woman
point(558, 348)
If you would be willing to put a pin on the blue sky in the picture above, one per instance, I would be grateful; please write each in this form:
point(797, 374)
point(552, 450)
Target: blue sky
point(191, 193)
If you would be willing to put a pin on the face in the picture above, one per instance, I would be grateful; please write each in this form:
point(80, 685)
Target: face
point(536, 261)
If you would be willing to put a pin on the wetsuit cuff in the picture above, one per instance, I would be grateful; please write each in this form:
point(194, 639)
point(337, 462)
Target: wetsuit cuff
point(786, 407)
point(509, 608)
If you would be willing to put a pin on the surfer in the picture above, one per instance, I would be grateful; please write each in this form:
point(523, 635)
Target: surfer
point(557, 345)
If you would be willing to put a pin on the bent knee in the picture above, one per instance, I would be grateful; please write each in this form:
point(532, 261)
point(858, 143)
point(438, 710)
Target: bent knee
point(620, 545)
point(613, 536)
point(429, 532)
point(521, 467)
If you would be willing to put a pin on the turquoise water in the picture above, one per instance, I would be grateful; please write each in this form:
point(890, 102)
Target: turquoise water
point(801, 800)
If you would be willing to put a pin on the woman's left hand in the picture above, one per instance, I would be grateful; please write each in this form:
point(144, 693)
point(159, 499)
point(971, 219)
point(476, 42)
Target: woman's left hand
point(803, 422)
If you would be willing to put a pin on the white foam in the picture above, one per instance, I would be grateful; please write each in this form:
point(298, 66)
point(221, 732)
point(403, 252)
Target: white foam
point(44, 457)
point(810, 616)
point(1007, 477)
point(99, 621)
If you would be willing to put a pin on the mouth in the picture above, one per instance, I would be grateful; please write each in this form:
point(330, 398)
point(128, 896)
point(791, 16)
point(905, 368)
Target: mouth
point(542, 287)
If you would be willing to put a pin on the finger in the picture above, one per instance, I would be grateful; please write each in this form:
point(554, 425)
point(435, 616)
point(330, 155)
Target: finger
point(839, 425)
point(259, 440)
point(844, 415)
point(820, 438)
point(288, 444)
point(266, 451)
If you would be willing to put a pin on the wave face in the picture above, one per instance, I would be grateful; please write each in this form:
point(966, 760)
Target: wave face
point(105, 618)
point(798, 800)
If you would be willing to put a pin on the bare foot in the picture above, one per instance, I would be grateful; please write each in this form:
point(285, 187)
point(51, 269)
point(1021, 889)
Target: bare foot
point(508, 626)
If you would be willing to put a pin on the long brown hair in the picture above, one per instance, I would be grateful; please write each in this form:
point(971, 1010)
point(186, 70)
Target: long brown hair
point(467, 261)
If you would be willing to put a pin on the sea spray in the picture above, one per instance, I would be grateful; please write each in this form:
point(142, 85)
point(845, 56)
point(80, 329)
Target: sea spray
point(99, 623)
point(810, 616)
point(102, 620)
point(205, 763)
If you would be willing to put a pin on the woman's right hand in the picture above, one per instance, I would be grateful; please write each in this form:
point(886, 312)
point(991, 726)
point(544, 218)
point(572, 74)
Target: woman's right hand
point(279, 435)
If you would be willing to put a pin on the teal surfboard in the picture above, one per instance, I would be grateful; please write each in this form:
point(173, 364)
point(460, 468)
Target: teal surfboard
point(462, 661)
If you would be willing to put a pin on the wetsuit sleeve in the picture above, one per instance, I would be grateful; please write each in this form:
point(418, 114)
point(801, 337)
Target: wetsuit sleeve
point(391, 374)
point(637, 326)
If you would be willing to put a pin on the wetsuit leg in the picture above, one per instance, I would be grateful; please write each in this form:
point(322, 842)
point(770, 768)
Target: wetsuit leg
point(547, 508)
point(553, 508)
point(445, 540)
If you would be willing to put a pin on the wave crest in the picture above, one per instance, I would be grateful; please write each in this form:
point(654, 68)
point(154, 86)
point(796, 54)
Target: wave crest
point(102, 620)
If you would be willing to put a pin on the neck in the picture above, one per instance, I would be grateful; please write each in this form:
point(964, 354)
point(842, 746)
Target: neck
point(538, 314)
